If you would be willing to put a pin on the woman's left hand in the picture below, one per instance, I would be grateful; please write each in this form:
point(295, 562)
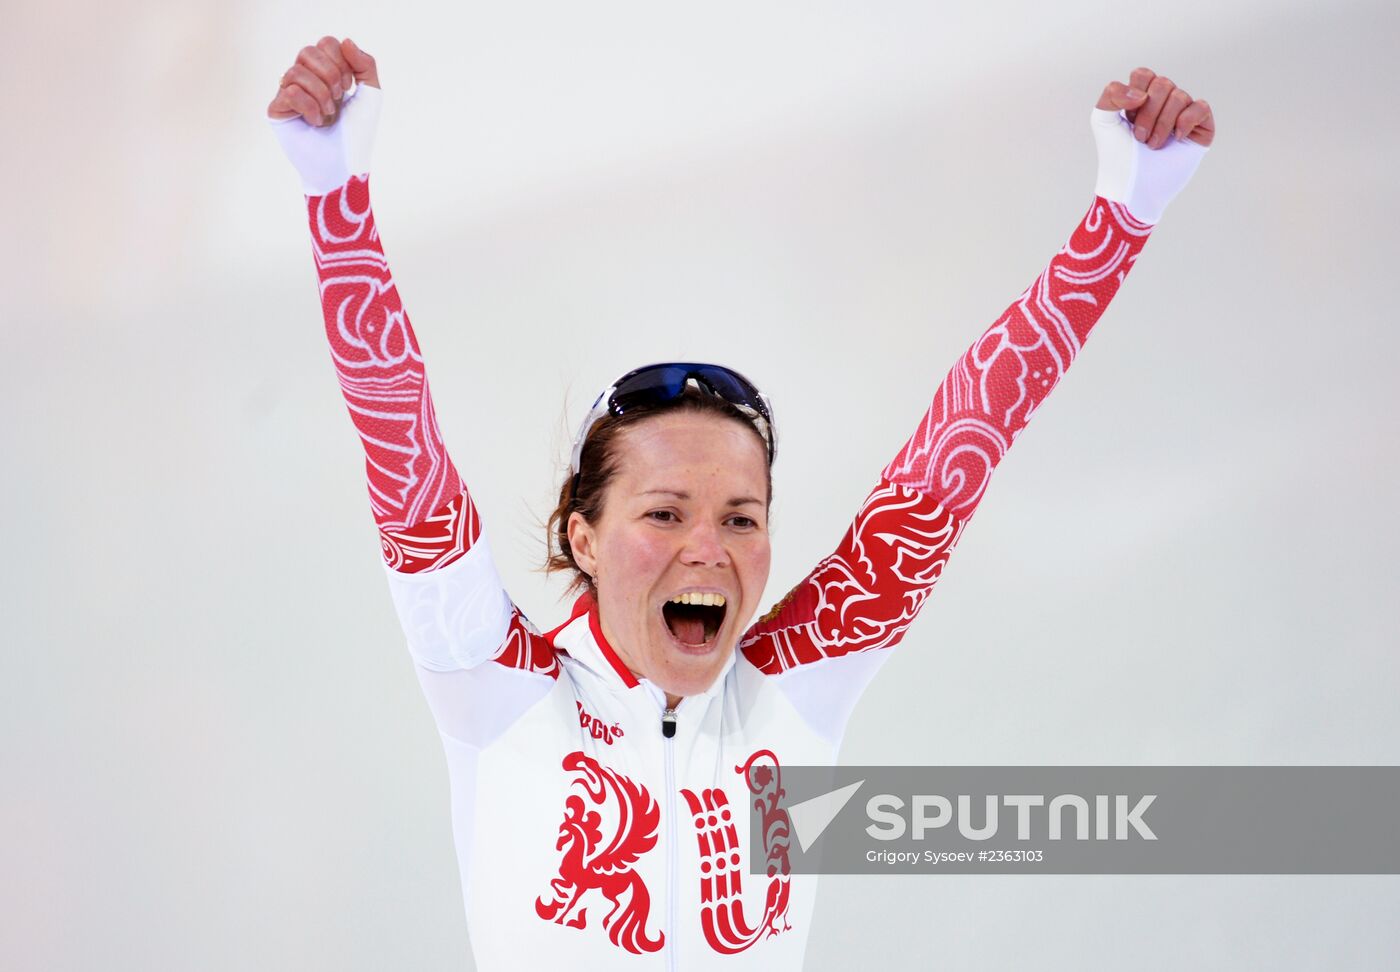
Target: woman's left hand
point(1157, 109)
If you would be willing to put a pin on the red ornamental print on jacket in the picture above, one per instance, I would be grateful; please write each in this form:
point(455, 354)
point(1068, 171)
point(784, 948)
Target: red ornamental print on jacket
point(721, 859)
point(609, 823)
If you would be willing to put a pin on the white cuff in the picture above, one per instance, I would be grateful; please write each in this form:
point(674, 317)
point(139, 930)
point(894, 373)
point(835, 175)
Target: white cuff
point(1143, 179)
point(326, 158)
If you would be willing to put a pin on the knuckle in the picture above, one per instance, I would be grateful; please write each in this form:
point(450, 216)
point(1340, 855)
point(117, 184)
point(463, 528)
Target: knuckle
point(1179, 96)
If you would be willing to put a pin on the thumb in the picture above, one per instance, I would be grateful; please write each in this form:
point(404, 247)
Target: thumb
point(366, 71)
point(1118, 95)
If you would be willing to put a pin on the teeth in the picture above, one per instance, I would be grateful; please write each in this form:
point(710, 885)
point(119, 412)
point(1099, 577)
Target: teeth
point(695, 597)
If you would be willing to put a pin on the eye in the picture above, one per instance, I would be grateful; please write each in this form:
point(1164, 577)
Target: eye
point(662, 516)
point(743, 522)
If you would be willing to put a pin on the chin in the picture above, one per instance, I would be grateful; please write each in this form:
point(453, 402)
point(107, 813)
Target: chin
point(690, 671)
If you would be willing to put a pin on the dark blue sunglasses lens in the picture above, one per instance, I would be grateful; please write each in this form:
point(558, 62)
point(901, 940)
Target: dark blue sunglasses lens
point(667, 382)
point(730, 387)
point(649, 387)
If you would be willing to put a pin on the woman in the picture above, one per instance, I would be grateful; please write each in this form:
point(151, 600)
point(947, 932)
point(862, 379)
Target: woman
point(601, 772)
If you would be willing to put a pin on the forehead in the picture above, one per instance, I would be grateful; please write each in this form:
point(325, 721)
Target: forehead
point(694, 447)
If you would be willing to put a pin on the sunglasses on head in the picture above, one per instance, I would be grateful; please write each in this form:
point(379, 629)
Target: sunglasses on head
point(657, 384)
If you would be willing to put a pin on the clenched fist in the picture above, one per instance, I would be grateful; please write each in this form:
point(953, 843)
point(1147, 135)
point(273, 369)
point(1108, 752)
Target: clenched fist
point(1150, 136)
point(326, 112)
point(317, 83)
point(1158, 109)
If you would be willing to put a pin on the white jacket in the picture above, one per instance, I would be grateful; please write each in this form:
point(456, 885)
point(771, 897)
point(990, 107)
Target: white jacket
point(587, 837)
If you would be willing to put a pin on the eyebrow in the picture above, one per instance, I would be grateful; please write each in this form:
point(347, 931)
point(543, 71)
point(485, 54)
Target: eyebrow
point(681, 495)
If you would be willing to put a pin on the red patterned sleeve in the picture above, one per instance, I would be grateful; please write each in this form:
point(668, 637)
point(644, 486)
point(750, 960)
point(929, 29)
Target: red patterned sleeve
point(451, 605)
point(425, 516)
point(868, 591)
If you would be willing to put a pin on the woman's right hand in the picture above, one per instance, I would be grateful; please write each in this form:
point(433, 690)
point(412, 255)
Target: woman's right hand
point(316, 84)
point(325, 127)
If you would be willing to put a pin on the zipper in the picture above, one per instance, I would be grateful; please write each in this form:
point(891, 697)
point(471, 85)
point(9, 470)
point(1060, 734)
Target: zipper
point(668, 731)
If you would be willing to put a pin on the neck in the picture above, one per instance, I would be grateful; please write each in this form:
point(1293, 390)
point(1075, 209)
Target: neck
point(672, 700)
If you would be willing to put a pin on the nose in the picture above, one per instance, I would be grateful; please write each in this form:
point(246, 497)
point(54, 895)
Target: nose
point(704, 547)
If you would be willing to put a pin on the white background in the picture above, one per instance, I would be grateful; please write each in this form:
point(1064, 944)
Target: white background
point(213, 753)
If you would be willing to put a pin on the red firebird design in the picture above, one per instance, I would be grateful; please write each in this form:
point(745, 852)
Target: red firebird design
point(591, 862)
point(721, 891)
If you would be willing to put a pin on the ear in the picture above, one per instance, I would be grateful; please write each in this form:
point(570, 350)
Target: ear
point(583, 541)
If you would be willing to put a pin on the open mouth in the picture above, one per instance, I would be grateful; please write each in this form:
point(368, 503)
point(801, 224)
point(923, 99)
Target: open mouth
point(694, 618)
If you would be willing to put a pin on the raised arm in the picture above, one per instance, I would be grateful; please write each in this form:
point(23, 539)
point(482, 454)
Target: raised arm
point(425, 515)
point(450, 601)
point(866, 593)
point(989, 395)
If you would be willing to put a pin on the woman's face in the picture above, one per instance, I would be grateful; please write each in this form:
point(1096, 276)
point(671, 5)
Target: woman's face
point(684, 515)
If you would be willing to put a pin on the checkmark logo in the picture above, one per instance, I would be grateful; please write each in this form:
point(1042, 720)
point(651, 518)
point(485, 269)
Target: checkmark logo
point(810, 818)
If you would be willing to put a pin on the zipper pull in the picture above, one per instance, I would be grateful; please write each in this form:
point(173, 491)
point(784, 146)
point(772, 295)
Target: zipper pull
point(668, 723)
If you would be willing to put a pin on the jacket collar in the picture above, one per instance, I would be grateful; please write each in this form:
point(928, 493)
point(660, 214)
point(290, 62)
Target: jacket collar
point(581, 638)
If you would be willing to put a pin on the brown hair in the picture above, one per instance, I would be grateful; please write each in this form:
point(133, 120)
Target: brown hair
point(583, 494)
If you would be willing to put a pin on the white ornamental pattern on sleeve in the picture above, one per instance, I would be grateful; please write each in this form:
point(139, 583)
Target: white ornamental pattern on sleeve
point(866, 594)
point(992, 391)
